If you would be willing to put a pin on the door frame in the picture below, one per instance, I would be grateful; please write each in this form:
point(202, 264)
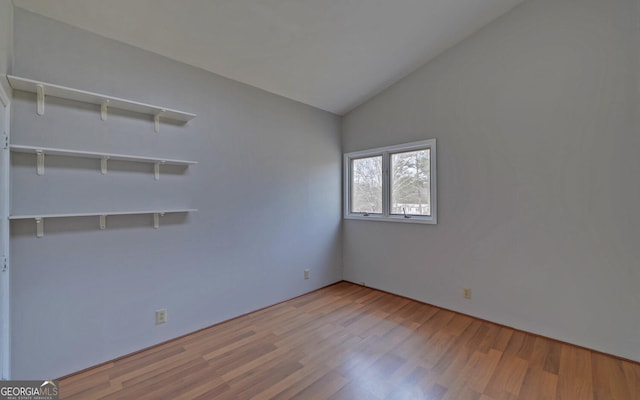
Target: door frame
point(5, 281)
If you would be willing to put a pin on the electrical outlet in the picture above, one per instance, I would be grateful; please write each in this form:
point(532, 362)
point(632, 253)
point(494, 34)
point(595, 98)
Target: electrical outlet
point(161, 316)
point(307, 274)
point(467, 293)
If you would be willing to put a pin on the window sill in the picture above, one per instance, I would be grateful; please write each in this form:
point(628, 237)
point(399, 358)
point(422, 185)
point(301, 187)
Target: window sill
point(381, 218)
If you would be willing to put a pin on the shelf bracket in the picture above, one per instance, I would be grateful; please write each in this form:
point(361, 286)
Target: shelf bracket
point(156, 170)
point(39, 227)
point(103, 110)
point(103, 165)
point(5, 264)
point(156, 219)
point(5, 140)
point(39, 162)
point(156, 121)
point(103, 222)
point(40, 101)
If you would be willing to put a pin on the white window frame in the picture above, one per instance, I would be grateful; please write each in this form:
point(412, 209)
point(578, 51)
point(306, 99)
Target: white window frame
point(386, 152)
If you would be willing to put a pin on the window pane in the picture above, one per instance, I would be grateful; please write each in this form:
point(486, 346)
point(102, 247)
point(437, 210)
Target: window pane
point(411, 182)
point(366, 185)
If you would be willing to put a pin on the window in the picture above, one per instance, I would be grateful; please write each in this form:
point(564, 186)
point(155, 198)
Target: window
point(366, 185)
point(395, 183)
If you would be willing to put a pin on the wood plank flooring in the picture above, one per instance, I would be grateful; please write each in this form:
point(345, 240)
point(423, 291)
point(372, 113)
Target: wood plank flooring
point(351, 342)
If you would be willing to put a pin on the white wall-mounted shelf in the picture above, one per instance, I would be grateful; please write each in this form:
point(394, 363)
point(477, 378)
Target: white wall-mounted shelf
point(43, 89)
point(104, 157)
point(39, 218)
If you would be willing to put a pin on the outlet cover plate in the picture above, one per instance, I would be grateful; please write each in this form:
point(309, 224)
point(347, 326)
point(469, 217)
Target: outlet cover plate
point(161, 316)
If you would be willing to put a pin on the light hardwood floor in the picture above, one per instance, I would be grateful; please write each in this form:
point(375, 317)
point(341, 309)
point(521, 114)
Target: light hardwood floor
point(351, 342)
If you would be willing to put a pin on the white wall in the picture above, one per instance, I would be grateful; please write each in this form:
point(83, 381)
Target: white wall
point(267, 187)
point(6, 39)
point(536, 118)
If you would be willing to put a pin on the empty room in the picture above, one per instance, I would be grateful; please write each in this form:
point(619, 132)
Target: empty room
point(277, 199)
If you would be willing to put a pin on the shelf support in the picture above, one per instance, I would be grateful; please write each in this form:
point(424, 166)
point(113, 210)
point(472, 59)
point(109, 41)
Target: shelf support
point(103, 165)
point(40, 101)
point(103, 109)
point(156, 121)
point(156, 170)
point(40, 162)
point(103, 222)
point(39, 227)
point(156, 219)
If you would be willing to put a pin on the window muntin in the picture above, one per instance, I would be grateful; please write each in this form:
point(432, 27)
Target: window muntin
point(394, 183)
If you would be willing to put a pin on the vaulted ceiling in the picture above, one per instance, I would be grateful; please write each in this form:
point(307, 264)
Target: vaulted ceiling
point(330, 54)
